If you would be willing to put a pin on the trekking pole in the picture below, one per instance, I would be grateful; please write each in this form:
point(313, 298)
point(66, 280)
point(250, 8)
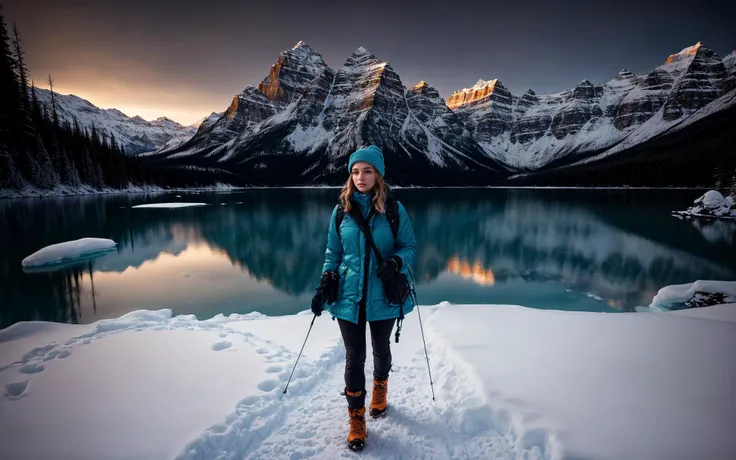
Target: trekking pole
point(414, 295)
point(300, 354)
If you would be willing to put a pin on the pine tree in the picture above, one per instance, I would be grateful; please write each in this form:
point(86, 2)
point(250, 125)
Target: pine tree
point(20, 65)
point(9, 176)
point(721, 175)
point(8, 92)
point(36, 113)
point(48, 177)
point(54, 112)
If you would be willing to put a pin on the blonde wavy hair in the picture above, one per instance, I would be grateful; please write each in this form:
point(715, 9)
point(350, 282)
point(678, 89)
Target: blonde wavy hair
point(380, 190)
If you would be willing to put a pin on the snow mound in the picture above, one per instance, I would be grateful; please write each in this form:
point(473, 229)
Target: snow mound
point(711, 204)
point(167, 205)
point(726, 312)
point(695, 294)
point(510, 382)
point(711, 198)
point(68, 251)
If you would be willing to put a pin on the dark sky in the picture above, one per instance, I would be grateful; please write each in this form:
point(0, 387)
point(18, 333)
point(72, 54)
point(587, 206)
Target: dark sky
point(184, 59)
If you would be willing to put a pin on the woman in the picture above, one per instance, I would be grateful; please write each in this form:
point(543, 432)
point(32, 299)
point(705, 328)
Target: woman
point(360, 288)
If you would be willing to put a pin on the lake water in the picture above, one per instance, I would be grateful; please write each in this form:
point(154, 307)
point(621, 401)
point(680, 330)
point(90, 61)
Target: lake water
point(262, 250)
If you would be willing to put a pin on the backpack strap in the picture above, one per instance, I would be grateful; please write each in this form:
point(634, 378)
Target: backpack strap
point(392, 215)
point(339, 217)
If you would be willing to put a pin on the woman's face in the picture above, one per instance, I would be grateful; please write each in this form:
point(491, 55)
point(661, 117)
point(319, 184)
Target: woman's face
point(364, 176)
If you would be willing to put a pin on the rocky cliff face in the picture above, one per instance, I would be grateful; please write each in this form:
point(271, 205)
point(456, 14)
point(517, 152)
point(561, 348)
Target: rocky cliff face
point(486, 109)
point(293, 73)
point(290, 131)
point(729, 62)
point(699, 84)
point(532, 131)
point(299, 125)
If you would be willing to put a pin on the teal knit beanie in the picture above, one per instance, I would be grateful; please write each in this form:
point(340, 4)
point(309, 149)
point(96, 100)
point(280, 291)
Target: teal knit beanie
point(371, 155)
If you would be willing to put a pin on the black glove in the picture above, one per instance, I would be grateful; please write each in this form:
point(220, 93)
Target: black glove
point(318, 303)
point(329, 284)
point(389, 268)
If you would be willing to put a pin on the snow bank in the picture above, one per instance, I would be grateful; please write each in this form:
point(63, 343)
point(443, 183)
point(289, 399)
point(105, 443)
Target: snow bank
point(68, 190)
point(712, 204)
point(510, 382)
point(726, 312)
point(679, 296)
point(168, 205)
point(69, 251)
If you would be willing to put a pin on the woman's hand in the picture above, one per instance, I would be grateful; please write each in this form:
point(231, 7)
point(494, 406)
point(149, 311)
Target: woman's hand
point(318, 303)
point(329, 284)
point(389, 268)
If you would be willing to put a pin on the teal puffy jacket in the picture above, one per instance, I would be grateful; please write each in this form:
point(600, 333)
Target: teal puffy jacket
point(346, 254)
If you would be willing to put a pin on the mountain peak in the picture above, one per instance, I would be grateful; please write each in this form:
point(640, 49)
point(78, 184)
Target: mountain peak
point(481, 90)
point(481, 84)
point(424, 88)
point(362, 58)
point(362, 53)
point(684, 54)
point(292, 73)
point(303, 51)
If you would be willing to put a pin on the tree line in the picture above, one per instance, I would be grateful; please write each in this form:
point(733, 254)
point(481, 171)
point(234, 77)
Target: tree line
point(40, 148)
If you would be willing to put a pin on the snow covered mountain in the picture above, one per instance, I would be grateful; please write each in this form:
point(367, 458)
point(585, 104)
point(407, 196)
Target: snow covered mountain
point(135, 134)
point(531, 131)
point(304, 119)
point(300, 123)
point(730, 63)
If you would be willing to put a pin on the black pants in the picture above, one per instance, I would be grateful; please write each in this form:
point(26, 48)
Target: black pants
point(353, 335)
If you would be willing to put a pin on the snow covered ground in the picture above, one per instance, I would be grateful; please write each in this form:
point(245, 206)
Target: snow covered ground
point(511, 383)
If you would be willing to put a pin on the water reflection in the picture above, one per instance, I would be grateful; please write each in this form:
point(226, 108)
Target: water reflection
point(263, 250)
point(475, 272)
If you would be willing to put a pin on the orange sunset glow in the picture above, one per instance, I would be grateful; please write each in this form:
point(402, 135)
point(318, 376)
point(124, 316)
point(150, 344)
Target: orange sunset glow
point(475, 272)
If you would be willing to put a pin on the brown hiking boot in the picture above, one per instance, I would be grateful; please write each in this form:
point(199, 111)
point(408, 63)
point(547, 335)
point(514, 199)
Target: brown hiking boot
point(378, 398)
point(357, 435)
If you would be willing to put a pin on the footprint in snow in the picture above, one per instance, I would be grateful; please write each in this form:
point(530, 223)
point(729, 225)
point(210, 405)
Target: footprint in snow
point(250, 400)
point(274, 369)
point(219, 346)
point(31, 369)
point(16, 390)
point(268, 385)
